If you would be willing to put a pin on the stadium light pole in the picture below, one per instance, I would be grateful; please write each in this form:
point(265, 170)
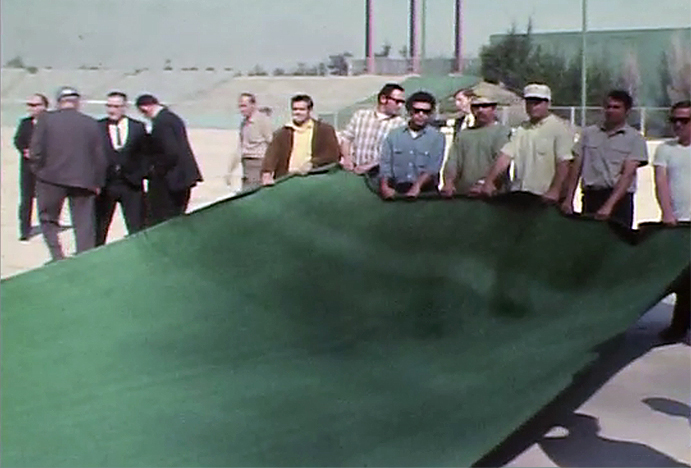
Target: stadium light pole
point(584, 62)
point(423, 32)
point(369, 45)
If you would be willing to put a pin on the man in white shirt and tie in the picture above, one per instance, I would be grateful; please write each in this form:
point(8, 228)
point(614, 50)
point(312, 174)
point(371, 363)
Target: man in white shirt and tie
point(125, 141)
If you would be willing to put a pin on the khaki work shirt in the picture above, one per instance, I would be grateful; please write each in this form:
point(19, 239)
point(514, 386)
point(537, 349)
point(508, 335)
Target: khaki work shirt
point(604, 155)
point(255, 136)
point(535, 150)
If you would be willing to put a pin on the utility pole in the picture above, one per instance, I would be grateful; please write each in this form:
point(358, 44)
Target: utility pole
point(584, 61)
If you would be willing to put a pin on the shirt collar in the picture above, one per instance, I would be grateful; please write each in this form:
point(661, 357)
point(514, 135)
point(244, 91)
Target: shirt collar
point(626, 128)
point(307, 126)
point(381, 116)
point(422, 131)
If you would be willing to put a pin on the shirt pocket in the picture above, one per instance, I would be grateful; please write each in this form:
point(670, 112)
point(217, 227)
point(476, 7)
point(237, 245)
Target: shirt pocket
point(544, 146)
point(618, 152)
point(421, 159)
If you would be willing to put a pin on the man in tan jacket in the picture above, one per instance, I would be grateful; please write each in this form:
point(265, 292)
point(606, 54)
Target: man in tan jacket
point(301, 144)
point(254, 138)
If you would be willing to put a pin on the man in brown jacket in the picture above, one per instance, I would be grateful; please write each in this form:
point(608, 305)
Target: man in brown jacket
point(68, 157)
point(301, 144)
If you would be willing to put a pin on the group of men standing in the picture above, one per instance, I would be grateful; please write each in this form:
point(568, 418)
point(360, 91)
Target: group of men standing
point(542, 156)
point(95, 165)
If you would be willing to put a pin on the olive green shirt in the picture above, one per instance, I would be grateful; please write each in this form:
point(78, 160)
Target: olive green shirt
point(473, 154)
point(535, 150)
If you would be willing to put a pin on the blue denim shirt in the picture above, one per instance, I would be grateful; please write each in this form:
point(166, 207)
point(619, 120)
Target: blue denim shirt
point(405, 159)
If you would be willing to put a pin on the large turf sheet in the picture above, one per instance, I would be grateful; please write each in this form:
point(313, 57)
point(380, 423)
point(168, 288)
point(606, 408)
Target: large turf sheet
point(311, 323)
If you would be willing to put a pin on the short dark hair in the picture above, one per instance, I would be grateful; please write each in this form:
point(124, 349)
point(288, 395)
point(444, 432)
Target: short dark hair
point(387, 89)
point(43, 99)
point(685, 104)
point(250, 96)
point(467, 92)
point(302, 98)
point(119, 94)
point(146, 100)
point(420, 96)
point(621, 96)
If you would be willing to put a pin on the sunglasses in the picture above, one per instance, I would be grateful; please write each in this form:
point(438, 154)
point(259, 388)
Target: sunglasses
point(482, 106)
point(397, 101)
point(114, 106)
point(681, 120)
point(34, 104)
point(417, 110)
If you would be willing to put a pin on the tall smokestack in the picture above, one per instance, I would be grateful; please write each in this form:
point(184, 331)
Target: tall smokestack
point(458, 38)
point(369, 45)
point(413, 37)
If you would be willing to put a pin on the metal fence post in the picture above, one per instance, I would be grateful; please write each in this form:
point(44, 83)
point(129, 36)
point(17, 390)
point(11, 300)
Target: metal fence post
point(572, 116)
point(643, 121)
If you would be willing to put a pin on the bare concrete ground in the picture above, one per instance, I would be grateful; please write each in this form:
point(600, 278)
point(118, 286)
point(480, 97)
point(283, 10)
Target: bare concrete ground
point(631, 409)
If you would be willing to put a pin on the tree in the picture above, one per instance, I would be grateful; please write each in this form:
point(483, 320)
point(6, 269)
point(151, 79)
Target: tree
point(515, 61)
point(257, 71)
point(278, 72)
point(630, 79)
point(15, 62)
point(338, 64)
point(677, 72)
point(385, 50)
point(323, 70)
point(167, 65)
point(403, 52)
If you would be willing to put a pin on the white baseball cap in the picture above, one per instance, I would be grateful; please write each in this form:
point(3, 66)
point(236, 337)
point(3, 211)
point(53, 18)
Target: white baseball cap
point(537, 91)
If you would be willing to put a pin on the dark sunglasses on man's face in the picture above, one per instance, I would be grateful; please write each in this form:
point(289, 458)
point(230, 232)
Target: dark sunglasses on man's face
point(33, 104)
point(417, 110)
point(482, 106)
point(397, 101)
point(681, 120)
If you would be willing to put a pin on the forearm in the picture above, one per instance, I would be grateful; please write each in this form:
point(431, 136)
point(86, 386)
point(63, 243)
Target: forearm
point(561, 174)
point(423, 179)
point(621, 187)
point(664, 197)
point(500, 166)
point(345, 151)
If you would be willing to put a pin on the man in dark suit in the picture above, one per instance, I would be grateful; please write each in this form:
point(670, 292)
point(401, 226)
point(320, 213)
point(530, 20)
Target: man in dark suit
point(67, 156)
point(36, 104)
point(173, 170)
point(125, 142)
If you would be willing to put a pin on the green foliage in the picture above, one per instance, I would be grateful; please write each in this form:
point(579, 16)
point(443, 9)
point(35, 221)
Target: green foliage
point(15, 62)
point(515, 61)
point(258, 70)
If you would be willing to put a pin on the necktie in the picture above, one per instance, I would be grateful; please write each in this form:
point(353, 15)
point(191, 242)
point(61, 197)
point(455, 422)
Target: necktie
point(118, 138)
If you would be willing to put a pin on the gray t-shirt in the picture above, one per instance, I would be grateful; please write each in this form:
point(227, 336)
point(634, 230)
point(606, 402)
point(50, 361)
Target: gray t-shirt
point(604, 154)
point(677, 159)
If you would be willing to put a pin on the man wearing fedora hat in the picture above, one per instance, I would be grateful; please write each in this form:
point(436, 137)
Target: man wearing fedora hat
point(68, 158)
point(475, 150)
point(540, 150)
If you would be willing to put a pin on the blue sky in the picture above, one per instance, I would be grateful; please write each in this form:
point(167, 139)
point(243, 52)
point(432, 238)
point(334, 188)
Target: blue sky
point(242, 33)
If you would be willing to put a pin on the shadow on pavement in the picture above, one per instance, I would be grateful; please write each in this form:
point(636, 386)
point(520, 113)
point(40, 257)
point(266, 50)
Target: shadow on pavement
point(669, 407)
point(584, 447)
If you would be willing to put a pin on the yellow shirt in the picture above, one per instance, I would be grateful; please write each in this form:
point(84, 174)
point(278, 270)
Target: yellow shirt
point(301, 153)
point(536, 149)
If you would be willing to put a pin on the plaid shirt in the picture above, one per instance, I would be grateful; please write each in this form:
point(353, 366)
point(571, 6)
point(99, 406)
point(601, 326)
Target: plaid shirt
point(366, 132)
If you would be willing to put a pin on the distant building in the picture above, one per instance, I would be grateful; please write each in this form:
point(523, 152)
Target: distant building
point(641, 49)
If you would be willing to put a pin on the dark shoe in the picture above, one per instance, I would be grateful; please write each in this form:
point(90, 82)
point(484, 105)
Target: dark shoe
point(23, 238)
point(672, 334)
